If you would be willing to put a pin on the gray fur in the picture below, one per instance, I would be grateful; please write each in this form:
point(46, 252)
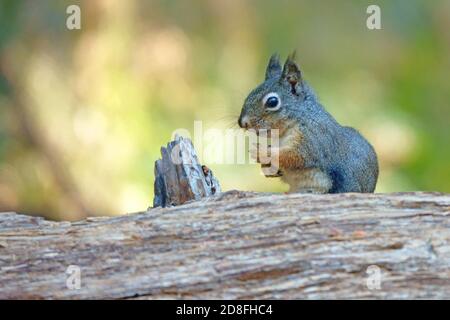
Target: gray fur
point(274, 67)
point(341, 152)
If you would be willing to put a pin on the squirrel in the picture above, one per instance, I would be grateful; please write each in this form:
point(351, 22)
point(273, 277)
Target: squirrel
point(315, 153)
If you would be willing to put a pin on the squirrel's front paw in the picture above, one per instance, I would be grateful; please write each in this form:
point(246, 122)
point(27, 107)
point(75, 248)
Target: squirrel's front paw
point(268, 157)
point(262, 154)
point(271, 172)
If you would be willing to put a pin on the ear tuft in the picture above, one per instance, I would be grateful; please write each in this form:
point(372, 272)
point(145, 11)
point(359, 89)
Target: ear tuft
point(274, 67)
point(291, 73)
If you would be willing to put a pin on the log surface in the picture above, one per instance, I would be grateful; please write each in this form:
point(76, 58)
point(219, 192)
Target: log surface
point(238, 246)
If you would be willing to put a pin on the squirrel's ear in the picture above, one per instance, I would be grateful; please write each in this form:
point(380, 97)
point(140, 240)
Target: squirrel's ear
point(291, 73)
point(274, 67)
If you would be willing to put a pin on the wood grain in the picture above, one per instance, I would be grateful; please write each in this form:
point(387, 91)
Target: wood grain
point(238, 245)
point(179, 177)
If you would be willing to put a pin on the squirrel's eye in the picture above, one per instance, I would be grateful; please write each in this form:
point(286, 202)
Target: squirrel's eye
point(272, 101)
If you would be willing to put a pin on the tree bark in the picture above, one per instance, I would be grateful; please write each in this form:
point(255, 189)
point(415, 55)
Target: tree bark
point(179, 177)
point(240, 246)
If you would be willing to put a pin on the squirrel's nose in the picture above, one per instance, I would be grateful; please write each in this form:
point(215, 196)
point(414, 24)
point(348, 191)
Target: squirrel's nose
point(243, 122)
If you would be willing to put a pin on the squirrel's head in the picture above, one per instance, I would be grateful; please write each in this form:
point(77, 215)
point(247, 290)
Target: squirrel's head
point(272, 104)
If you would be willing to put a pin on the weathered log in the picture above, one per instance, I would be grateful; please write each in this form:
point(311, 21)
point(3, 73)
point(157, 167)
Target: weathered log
point(179, 177)
point(238, 245)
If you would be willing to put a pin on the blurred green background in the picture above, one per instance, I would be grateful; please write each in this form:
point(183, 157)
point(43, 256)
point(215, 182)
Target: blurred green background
point(83, 113)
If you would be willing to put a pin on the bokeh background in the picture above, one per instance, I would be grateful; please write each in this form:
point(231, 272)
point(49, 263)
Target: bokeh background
point(84, 113)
